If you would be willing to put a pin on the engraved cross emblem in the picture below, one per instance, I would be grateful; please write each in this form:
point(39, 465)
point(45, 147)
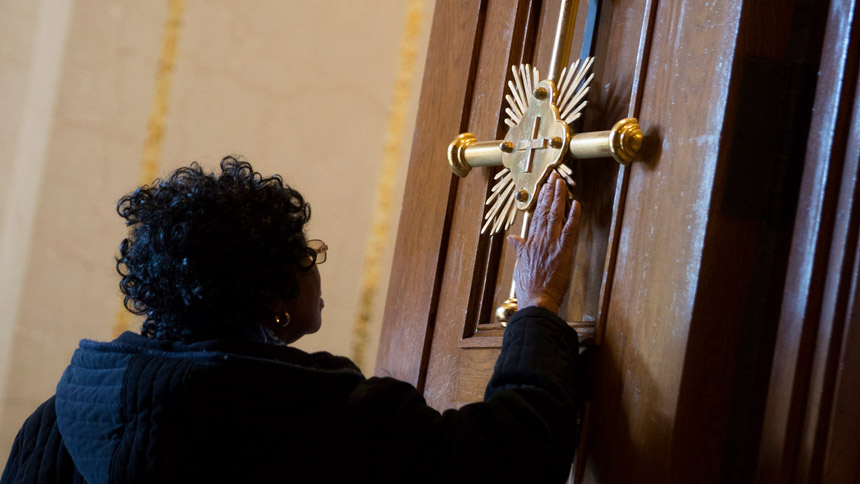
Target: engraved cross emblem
point(530, 145)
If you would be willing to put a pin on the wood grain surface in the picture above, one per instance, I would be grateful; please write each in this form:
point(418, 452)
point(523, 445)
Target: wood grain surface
point(811, 429)
point(683, 256)
point(422, 237)
point(505, 28)
point(667, 362)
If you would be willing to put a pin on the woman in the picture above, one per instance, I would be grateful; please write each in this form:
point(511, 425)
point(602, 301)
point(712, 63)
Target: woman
point(211, 391)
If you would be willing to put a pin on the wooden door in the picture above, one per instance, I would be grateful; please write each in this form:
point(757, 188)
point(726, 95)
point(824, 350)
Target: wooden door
point(680, 260)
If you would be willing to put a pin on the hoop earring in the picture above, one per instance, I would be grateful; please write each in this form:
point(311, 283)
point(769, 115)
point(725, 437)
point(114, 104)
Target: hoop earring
point(283, 320)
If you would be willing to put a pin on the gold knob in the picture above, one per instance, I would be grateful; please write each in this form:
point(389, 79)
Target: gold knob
point(457, 154)
point(625, 140)
point(506, 311)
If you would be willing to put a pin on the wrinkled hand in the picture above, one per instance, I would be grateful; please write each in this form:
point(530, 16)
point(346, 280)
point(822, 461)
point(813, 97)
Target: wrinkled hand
point(545, 260)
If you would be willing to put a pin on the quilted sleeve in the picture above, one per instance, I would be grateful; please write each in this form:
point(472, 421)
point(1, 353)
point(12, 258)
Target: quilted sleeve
point(539, 351)
point(524, 431)
point(38, 453)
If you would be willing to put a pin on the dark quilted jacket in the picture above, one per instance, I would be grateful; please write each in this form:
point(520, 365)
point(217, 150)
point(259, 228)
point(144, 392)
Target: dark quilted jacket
point(140, 410)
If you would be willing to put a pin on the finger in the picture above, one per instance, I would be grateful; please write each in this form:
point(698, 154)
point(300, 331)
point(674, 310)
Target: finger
point(571, 226)
point(555, 219)
point(538, 227)
point(516, 241)
point(551, 189)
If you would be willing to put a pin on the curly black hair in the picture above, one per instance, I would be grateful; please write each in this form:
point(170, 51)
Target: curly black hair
point(208, 254)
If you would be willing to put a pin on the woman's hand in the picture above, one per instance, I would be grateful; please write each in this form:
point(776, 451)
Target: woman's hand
point(544, 261)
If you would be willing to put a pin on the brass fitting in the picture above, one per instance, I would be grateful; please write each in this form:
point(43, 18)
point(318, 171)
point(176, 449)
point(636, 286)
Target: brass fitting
point(506, 311)
point(465, 153)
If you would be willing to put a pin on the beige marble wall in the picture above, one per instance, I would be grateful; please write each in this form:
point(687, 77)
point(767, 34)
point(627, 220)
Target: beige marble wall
point(301, 88)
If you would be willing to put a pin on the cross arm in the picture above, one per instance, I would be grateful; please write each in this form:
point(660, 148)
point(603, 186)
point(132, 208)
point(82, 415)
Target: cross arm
point(466, 152)
point(621, 143)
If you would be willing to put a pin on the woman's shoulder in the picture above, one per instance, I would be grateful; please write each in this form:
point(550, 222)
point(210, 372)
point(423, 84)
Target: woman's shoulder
point(226, 351)
point(39, 441)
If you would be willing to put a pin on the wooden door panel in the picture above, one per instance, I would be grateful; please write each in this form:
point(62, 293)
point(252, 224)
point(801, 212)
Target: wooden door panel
point(466, 337)
point(811, 422)
point(620, 46)
point(659, 253)
point(476, 274)
point(422, 234)
point(665, 271)
point(679, 308)
point(506, 29)
point(595, 179)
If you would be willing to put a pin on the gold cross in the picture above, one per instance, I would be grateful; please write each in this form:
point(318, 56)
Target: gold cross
point(551, 105)
point(540, 140)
